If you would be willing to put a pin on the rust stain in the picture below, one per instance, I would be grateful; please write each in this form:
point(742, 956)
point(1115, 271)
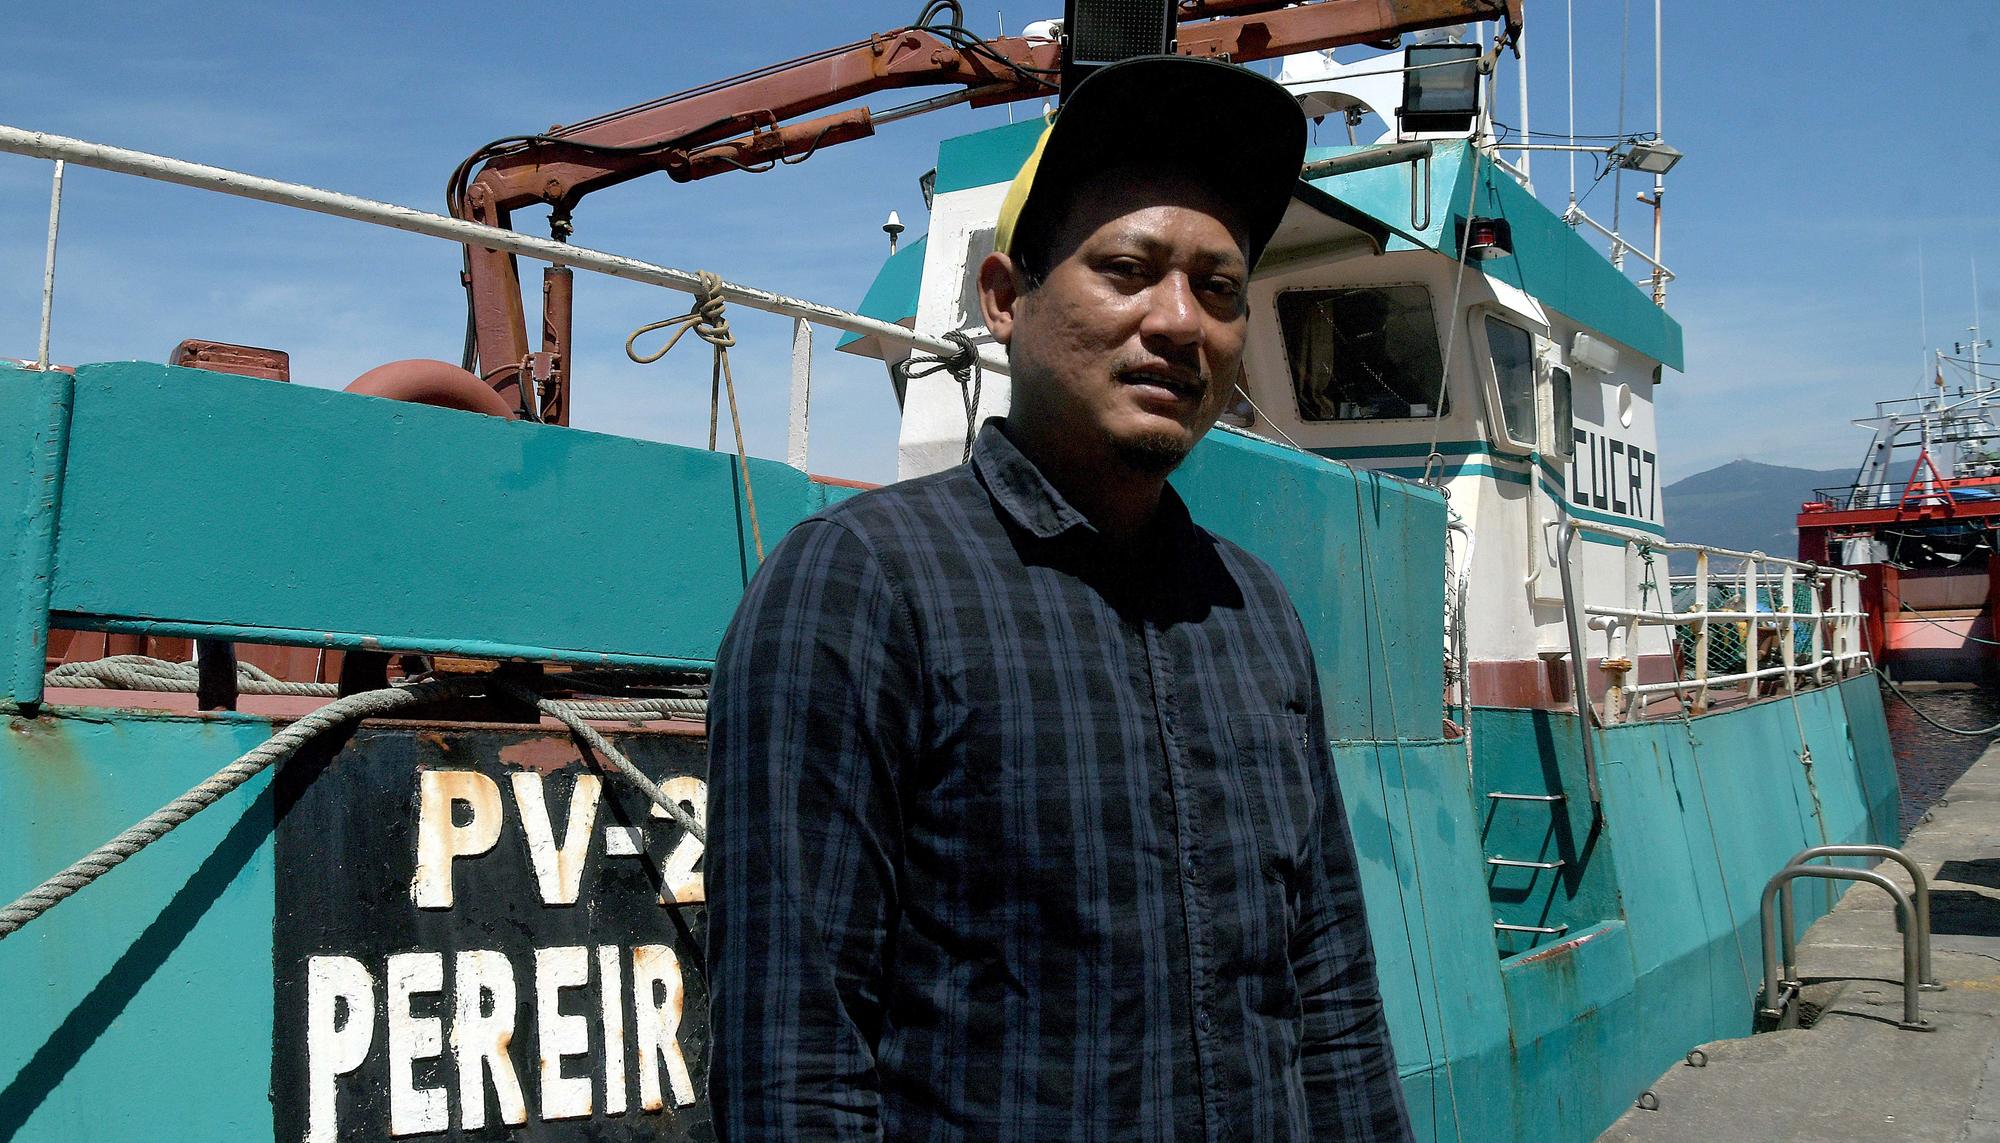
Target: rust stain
point(1563, 948)
point(546, 755)
point(436, 741)
point(47, 740)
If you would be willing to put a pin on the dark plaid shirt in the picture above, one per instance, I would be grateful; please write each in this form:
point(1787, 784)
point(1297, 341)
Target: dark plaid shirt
point(1021, 834)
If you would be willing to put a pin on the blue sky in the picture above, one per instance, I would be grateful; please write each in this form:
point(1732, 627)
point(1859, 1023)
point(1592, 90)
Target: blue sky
point(1823, 154)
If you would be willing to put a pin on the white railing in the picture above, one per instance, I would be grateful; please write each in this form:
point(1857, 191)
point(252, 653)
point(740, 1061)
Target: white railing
point(1809, 633)
point(61, 150)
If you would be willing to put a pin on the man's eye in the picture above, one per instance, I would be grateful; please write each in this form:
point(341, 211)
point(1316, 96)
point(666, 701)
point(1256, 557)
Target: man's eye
point(1226, 288)
point(1127, 268)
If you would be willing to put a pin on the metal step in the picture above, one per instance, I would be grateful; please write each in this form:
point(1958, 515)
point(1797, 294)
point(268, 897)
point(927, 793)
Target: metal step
point(1501, 797)
point(1545, 930)
point(1513, 864)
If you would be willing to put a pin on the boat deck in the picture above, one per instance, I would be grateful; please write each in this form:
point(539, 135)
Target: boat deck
point(1854, 1074)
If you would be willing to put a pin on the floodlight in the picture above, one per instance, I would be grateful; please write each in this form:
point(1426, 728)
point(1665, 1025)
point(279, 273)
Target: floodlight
point(1648, 155)
point(1100, 32)
point(1440, 88)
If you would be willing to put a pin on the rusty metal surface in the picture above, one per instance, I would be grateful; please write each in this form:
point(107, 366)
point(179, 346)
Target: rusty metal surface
point(242, 360)
point(429, 382)
point(558, 304)
point(469, 941)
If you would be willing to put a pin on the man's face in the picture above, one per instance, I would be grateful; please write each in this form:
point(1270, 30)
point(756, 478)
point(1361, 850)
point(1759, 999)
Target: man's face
point(1133, 343)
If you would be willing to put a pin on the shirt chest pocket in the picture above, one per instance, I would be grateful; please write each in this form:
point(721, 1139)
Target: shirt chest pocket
point(1272, 755)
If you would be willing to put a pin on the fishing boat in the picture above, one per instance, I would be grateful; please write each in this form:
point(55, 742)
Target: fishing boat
point(439, 873)
point(1917, 522)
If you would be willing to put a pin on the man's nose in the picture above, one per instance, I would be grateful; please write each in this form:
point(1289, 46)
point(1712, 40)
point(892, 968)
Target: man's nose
point(1172, 310)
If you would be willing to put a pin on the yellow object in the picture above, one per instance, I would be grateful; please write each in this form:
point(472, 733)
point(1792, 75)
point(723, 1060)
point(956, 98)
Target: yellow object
point(1017, 195)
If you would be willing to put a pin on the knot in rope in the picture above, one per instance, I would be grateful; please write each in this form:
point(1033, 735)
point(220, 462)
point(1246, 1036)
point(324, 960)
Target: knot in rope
point(964, 369)
point(704, 317)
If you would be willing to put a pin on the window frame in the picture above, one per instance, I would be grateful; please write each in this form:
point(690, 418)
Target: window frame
point(1438, 332)
point(1501, 435)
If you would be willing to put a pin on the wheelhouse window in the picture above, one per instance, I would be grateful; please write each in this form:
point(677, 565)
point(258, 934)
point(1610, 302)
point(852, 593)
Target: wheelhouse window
point(1513, 352)
point(1562, 420)
point(1363, 354)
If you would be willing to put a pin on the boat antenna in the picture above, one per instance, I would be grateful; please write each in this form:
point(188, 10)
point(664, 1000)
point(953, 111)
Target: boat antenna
point(1923, 325)
point(1569, 24)
point(1618, 175)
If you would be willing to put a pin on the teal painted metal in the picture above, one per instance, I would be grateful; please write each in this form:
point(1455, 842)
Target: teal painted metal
point(1548, 1041)
point(986, 157)
point(1551, 261)
point(228, 509)
point(141, 1008)
point(1361, 552)
point(34, 434)
point(350, 641)
point(892, 296)
point(148, 995)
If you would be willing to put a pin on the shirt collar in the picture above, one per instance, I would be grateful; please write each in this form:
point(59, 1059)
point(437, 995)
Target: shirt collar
point(1027, 496)
point(1020, 488)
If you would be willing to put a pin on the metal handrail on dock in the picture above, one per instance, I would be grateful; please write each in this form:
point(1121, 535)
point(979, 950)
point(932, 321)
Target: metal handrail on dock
point(1833, 615)
point(1780, 987)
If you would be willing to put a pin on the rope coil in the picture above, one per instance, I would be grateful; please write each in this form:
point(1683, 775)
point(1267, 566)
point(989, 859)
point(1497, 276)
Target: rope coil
point(706, 318)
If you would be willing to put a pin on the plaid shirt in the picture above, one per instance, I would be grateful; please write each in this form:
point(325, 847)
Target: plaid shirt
point(1020, 834)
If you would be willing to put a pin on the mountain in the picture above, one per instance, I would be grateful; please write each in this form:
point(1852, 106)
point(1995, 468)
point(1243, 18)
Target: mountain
point(1744, 505)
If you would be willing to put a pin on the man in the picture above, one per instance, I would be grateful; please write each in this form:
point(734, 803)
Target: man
point(1024, 822)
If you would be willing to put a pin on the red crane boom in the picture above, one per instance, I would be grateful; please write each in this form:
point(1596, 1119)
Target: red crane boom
point(758, 119)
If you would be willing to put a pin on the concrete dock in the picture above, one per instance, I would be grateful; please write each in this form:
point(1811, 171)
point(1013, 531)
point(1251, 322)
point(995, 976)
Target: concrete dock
point(1852, 1073)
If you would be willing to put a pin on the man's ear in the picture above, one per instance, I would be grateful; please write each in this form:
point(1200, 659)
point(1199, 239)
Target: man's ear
point(1000, 290)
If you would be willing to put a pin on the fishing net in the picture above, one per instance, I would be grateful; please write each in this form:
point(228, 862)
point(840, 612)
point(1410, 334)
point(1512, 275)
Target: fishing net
point(1728, 638)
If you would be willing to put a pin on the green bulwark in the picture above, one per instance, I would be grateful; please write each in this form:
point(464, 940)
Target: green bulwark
point(146, 498)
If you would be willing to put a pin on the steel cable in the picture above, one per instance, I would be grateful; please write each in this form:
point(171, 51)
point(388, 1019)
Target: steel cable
point(1983, 732)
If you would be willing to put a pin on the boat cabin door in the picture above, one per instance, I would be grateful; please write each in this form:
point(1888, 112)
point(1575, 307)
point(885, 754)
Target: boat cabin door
point(1529, 393)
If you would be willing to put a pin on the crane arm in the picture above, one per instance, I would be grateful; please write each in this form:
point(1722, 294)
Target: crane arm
point(752, 121)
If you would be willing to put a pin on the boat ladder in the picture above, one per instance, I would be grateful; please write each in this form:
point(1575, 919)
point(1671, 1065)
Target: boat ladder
point(1551, 800)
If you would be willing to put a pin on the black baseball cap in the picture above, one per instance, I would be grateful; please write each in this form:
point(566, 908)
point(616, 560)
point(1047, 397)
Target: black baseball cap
point(1226, 126)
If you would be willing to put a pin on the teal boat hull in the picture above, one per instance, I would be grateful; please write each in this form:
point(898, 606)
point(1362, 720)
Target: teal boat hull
point(144, 1006)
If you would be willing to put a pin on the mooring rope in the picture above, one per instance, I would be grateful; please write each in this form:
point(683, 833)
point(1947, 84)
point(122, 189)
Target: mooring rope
point(591, 738)
point(964, 369)
point(706, 318)
point(286, 742)
point(145, 673)
point(162, 821)
point(1982, 732)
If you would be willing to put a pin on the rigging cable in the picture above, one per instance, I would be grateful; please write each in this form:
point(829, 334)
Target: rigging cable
point(1371, 587)
point(1451, 328)
point(1982, 732)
